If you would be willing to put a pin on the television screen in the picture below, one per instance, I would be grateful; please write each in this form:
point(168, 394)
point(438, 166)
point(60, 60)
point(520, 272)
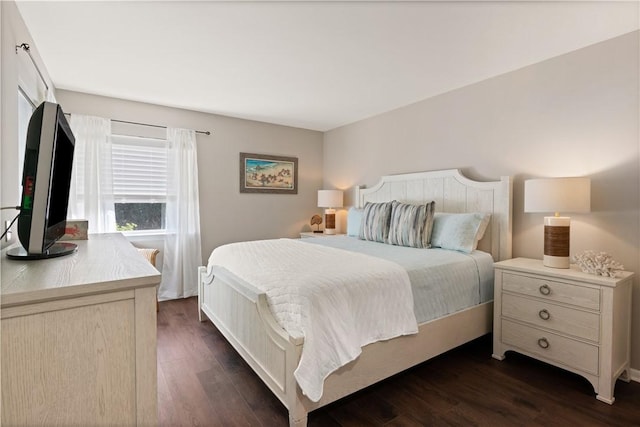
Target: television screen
point(46, 179)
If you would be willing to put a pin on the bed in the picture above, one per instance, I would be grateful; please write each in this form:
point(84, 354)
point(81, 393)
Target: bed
point(241, 311)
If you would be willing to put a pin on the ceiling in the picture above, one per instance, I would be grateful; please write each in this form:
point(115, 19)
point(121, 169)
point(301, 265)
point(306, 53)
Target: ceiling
point(315, 65)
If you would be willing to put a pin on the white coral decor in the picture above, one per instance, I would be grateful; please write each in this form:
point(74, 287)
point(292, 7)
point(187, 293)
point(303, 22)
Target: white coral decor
point(599, 263)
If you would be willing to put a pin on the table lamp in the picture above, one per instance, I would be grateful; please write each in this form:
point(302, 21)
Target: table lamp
point(329, 199)
point(557, 195)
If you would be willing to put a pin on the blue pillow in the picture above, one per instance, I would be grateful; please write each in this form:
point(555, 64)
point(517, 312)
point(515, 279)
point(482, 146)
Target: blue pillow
point(459, 231)
point(354, 218)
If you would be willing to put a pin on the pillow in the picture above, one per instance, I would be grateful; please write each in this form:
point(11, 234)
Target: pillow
point(411, 225)
point(354, 219)
point(459, 232)
point(375, 222)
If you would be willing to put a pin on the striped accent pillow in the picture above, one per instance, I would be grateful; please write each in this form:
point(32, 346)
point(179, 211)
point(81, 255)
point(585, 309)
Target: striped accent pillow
point(375, 222)
point(411, 225)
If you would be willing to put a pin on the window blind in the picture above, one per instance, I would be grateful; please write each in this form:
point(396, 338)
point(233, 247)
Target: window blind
point(139, 170)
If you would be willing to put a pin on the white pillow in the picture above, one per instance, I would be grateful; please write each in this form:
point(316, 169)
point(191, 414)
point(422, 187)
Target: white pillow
point(354, 218)
point(459, 231)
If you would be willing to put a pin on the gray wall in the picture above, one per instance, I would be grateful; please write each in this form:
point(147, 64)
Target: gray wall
point(574, 115)
point(225, 214)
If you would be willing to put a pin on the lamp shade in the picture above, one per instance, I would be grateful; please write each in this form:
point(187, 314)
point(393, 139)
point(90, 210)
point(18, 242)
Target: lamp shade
point(557, 195)
point(329, 198)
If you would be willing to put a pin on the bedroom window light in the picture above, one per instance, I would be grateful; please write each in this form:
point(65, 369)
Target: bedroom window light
point(139, 183)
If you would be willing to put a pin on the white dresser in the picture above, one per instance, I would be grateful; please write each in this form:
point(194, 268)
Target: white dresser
point(573, 320)
point(79, 337)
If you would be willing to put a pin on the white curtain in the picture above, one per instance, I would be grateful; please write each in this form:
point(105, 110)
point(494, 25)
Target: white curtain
point(91, 195)
point(182, 253)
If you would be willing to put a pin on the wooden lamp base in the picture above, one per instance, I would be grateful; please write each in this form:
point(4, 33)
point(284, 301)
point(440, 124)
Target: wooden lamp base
point(556, 241)
point(329, 221)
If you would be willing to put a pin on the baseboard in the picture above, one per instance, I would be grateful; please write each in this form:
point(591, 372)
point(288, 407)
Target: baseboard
point(634, 374)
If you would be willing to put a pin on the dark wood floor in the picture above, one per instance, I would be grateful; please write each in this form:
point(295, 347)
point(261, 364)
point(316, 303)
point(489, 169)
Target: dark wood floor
point(203, 382)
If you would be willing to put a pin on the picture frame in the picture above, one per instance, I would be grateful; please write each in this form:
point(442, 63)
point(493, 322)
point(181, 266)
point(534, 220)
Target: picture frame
point(263, 173)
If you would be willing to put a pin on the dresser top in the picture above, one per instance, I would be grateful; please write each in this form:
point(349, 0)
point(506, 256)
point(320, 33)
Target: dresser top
point(534, 266)
point(103, 263)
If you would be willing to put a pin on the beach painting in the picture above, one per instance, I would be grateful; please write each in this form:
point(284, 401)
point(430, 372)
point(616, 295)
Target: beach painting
point(261, 173)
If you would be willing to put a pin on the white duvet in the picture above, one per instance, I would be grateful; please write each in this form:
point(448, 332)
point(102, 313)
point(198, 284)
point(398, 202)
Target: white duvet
point(339, 301)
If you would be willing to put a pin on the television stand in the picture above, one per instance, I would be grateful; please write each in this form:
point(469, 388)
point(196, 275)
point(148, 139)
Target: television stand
point(54, 251)
point(78, 338)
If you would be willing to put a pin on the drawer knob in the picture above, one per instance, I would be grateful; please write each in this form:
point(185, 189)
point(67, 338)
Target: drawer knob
point(544, 314)
point(543, 343)
point(545, 289)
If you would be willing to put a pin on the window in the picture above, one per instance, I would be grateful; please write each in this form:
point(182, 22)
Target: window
point(139, 182)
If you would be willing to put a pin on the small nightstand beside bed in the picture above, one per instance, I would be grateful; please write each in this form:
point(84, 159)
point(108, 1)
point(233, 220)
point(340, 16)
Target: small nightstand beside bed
point(352, 311)
point(576, 321)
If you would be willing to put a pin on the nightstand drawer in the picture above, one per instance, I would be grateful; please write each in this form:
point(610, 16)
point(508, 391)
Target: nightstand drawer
point(575, 354)
point(544, 314)
point(579, 296)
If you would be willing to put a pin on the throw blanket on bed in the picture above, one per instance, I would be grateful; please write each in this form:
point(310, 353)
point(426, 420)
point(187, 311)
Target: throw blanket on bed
point(339, 301)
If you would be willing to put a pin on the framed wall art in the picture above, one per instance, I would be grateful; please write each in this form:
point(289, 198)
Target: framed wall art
point(261, 173)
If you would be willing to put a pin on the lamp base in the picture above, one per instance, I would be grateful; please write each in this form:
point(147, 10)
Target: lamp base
point(556, 241)
point(329, 221)
point(555, 261)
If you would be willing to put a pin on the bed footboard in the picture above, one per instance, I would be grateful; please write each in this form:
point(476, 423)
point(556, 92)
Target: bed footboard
point(241, 313)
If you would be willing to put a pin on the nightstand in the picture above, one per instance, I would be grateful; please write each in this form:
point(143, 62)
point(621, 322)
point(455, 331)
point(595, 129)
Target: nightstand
point(311, 234)
point(576, 321)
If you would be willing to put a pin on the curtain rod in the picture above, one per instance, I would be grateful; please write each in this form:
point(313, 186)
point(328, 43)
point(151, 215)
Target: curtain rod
point(203, 132)
point(26, 48)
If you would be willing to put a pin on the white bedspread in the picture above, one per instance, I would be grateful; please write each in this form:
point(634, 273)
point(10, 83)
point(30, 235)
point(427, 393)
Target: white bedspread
point(339, 301)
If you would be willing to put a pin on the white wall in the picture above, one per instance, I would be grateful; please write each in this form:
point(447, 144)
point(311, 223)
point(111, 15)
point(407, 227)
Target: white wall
point(574, 115)
point(225, 214)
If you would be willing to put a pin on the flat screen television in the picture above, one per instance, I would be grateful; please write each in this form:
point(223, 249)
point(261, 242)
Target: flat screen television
point(46, 179)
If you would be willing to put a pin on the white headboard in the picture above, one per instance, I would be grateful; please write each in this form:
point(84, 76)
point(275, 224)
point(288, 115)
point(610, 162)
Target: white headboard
point(452, 192)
